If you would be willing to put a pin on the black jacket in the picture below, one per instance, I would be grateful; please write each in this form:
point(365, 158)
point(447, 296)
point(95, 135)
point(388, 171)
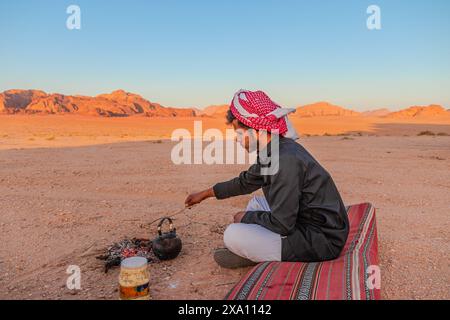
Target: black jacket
point(306, 208)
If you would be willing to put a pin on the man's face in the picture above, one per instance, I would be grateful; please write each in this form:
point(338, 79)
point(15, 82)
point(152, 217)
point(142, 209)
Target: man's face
point(245, 137)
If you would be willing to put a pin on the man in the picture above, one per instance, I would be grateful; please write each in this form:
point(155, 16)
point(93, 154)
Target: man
point(301, 216)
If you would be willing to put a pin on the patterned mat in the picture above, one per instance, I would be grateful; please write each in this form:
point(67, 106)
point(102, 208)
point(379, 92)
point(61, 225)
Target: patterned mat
point(352, 276)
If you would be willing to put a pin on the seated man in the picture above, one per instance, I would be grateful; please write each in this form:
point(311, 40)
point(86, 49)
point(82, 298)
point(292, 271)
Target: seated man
point(301, 216)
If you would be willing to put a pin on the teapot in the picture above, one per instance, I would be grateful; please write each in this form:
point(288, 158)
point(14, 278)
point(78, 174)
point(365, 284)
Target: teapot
point(167, 245)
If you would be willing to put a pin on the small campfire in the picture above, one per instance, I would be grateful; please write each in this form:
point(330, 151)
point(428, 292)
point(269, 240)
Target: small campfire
point(125, 249)
point(166, 246)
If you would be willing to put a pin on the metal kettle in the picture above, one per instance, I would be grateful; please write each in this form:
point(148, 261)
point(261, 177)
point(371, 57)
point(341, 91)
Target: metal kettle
point(167, 245)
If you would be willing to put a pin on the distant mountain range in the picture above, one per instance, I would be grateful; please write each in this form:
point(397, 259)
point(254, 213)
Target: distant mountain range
point(116, 104)
point(320, 109)
point(123, 104)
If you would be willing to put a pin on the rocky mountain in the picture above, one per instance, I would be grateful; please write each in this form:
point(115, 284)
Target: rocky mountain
point(18, 99)
point(116, 104)
point(432, 110)
point(216, 110)
point(323, 109)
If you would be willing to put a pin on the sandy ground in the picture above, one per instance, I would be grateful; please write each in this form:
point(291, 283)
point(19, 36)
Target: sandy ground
point(22, 131)
point(71, 186)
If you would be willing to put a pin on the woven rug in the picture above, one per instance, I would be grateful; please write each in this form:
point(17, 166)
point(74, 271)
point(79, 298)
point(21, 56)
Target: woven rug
point(349, 277)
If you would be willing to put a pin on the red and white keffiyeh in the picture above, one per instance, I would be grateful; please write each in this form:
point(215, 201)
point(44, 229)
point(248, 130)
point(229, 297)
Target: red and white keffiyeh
point(256, 110)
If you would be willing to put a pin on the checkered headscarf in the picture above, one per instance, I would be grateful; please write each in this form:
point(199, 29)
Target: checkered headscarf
point(256, 110)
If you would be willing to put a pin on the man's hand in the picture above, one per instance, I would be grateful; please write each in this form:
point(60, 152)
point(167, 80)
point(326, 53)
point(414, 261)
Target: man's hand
point(238, 216)
point(195, 198)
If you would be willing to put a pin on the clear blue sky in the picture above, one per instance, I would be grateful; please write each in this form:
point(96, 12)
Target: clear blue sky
point(196, 53)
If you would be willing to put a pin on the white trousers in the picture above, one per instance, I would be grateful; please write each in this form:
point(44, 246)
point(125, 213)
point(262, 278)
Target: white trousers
point(253, 241)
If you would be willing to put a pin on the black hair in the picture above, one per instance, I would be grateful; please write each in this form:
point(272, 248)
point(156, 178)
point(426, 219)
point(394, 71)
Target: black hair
point(230, 118)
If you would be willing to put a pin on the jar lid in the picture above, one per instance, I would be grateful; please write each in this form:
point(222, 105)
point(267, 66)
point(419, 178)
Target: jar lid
point(134, 262)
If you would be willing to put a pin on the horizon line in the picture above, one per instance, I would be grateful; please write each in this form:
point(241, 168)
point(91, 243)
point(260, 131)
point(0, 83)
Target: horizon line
point(223, 104)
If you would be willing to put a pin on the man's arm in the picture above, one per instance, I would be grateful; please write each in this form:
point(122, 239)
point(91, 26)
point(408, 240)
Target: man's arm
point(248, 181)
point(284, 198)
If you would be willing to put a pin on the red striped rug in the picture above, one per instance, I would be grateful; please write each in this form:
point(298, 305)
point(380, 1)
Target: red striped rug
point(352, 276)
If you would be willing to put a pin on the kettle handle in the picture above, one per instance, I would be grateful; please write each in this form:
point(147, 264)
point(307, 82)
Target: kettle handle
point(161, 222)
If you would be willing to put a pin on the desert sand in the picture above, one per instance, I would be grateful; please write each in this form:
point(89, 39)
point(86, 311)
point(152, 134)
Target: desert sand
point(72, 185)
